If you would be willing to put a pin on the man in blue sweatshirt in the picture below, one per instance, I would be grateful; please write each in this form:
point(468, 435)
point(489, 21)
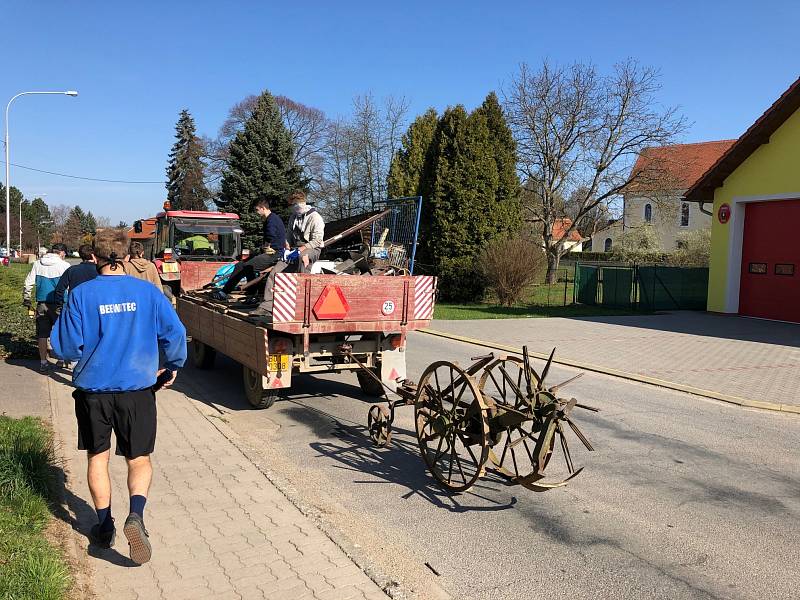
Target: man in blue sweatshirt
point(114, 326)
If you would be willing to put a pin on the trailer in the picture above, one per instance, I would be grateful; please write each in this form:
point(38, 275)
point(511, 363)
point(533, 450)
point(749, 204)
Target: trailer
point(320, 324)
point(496, 415)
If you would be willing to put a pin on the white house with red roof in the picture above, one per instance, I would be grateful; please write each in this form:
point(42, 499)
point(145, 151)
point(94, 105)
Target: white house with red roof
point(575, 241)
point(670, 215)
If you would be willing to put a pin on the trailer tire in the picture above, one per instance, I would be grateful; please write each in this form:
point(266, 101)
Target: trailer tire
point(368, 385)
point(203, 355)
point(257, 396)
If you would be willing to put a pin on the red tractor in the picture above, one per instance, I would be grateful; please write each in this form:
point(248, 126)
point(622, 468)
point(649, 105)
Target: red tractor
point(189, 246)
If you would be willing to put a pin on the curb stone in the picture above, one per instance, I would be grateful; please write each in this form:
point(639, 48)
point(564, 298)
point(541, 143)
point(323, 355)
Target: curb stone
point(744, 402)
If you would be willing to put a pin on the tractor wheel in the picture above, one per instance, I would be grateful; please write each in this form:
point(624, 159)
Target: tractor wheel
point(368, 385)
point(257, 396)
point(203, 355)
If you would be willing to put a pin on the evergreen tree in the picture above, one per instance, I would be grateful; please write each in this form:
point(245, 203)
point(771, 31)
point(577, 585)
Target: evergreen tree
point(89, 224)
point(409, 164)
point(72, 234)
point(186, 189)
point(504, 149)
point(262, 162)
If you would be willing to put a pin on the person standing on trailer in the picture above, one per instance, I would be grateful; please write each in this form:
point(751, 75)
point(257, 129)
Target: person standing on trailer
point(272, 248)
point(114, 326)
point(303, 247)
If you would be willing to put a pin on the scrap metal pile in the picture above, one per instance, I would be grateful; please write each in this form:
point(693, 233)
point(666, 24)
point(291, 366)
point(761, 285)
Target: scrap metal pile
point(498, 410)
point(386, 246)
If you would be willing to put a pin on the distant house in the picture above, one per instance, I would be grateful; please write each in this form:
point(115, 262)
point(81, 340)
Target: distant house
point(574, 243)
point(670, 215)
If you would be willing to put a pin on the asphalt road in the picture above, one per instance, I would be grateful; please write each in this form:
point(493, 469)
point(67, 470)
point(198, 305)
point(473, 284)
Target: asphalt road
point(683, 497)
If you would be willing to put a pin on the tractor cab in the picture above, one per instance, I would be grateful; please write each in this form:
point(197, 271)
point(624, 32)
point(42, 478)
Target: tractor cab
point(189, 246)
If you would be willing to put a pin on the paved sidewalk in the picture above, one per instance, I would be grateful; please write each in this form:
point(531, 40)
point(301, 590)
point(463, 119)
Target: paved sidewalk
point(746, 358)
point(23, 390)
point(218, 527)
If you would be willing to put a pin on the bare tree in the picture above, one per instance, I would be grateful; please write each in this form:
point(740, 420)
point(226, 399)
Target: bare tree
point(377, 131)
point(103, 222)
point(306, 125)
point(343, 175)
point(60, 214)
point(578, 136)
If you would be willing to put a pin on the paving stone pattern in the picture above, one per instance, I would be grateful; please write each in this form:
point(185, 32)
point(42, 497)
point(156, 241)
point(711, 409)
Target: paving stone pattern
point(218, 527)
point(747, 358)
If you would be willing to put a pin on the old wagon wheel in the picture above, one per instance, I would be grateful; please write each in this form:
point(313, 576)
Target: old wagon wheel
point(452, 429)
point(529, 425)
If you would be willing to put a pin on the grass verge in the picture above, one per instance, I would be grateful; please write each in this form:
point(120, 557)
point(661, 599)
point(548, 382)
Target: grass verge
point(30, 567)
point(16, 328)
point(445, 311)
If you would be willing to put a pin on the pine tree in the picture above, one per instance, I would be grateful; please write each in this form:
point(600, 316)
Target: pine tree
point(186, 189)
point(262, 163)
point(74, 228)
point(89, 224)
point(409, 164)
point(504, 149)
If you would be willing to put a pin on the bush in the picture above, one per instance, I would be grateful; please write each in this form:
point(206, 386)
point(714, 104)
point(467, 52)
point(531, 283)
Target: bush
point(694, 249)
point(460, 280)
point(509, 265)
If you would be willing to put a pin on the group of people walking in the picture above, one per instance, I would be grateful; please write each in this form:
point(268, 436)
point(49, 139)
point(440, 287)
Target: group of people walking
point(109, 316)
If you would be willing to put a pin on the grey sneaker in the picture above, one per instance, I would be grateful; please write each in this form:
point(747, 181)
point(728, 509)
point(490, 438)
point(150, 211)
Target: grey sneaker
point(140, 549)
point(104, 539)
point(44, 367)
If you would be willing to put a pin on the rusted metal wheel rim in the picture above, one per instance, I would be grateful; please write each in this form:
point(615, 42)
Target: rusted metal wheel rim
point(514, 454)
point(452, 427)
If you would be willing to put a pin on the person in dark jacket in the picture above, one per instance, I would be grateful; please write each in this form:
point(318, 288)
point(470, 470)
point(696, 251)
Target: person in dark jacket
point(77, 274)
point(272, 248)
point(115, 326)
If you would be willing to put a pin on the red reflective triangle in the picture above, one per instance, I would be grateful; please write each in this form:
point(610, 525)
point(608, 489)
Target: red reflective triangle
point(331, 304)
point(394, 375)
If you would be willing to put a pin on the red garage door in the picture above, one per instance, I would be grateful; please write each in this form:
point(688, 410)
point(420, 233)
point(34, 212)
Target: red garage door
point(770, 285)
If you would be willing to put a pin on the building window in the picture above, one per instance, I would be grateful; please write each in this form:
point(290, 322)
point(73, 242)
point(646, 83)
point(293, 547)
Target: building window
point(684, 214)
point(648, 213)
point(608, 245)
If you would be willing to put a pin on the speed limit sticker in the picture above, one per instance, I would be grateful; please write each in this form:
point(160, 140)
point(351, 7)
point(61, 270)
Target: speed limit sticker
point(388, 307)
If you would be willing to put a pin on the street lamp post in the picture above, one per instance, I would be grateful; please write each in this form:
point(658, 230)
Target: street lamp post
point(8, 174)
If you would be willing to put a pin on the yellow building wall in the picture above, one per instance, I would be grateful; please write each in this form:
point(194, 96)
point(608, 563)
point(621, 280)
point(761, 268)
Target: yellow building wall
point(773, 169)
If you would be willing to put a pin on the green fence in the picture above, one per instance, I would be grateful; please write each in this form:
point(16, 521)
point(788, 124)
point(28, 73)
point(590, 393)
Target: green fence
point(645, 288)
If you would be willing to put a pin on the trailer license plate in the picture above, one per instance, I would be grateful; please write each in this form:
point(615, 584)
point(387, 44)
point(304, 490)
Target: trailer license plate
point(278, 362)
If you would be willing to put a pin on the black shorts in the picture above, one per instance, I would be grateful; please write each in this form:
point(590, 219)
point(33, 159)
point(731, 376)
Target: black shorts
point(132, 416)
point(46, 316)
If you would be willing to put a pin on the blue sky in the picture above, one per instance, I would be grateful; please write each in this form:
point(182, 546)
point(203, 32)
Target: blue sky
point(137, 65)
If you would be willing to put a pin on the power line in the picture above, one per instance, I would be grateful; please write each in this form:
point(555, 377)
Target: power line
point(86, 178)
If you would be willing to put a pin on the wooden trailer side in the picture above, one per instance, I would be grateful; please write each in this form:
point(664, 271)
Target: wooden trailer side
point(244, 342)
